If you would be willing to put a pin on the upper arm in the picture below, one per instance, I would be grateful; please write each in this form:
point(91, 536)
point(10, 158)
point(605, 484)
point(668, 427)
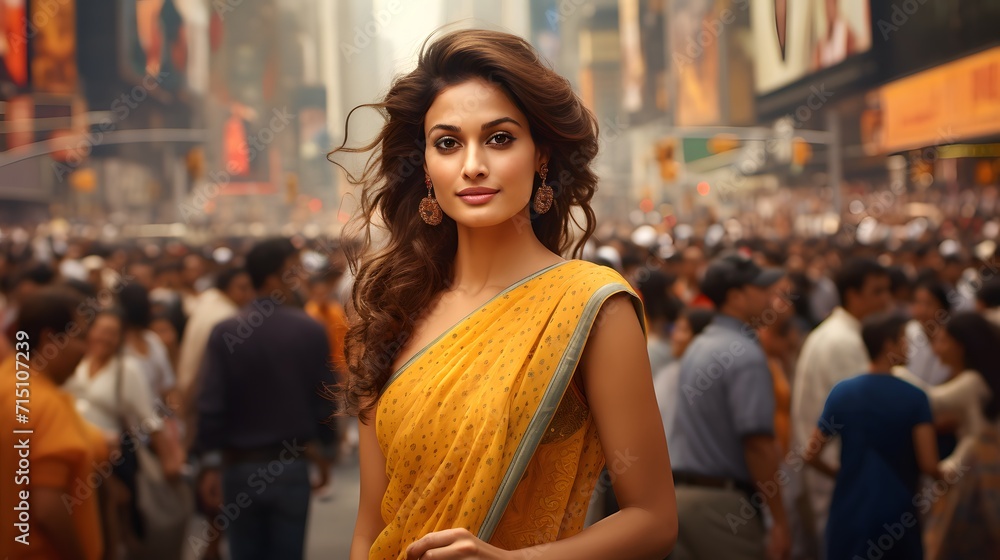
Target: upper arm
point(619, 388)
point(138, 397)
point(750, 394)
point(374, 483)
point(817, 441)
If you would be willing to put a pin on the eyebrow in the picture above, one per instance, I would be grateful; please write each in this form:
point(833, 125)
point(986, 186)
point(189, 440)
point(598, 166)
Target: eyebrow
point(491, 124)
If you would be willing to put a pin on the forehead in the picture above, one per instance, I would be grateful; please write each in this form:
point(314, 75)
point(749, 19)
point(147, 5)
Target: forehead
point(470, 104)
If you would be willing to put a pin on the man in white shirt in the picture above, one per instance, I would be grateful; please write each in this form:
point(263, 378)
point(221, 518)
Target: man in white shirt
point(831, 353)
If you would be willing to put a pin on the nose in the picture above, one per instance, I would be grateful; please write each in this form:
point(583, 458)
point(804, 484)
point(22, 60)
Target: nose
point(475, 166)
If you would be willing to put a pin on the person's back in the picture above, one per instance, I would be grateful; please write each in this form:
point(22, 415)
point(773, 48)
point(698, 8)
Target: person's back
point(886, 434)
point(873, 497)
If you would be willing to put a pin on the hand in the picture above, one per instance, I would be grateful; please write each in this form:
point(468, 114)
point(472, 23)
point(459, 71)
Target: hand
point(210, 489)
point(779, 542)
point(454, 544)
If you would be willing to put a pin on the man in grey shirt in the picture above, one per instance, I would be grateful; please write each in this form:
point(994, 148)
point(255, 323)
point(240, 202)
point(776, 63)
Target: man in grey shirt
point(724, 456)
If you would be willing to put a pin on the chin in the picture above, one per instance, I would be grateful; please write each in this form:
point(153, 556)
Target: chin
point(483, 218)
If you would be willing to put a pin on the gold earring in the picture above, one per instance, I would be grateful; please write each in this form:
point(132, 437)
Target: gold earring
point(430, 210)
point(544, 196)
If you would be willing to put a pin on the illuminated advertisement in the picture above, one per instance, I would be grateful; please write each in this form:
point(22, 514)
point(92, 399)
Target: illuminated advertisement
point(795, 38)
point(53, 46)
point(13, 46)
point(155, 42)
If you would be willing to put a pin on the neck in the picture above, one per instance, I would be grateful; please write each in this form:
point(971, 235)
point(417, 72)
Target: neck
point(496, 257)
point(37, 369)
point(735, 313)
point(881, 366)
point(854, 312)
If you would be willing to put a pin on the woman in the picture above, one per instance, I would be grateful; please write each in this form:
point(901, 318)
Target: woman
point(477, 357)
point(142, 343)
point(930, 310)
point(107, 405)
point(688, 325)
point(965, 523)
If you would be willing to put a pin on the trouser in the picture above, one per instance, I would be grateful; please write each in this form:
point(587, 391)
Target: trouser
point(717, 524)
point(272, 504)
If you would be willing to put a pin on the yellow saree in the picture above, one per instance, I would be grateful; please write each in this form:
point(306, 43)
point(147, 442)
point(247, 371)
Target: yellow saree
point(483, 429)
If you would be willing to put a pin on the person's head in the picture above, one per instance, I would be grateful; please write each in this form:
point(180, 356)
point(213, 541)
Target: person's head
point(954, 266)
point(106, 335)
point(689, 324)
point(692, 263)
point(55, 329)
point(142, 273)
point(235, 283)
point(480, 111)
point(192, 269)
point(167, 275)
point(969, 341)
point(863, 287)
point(988, 296)
point(322, 284)
point(661, 305)
point(884, 335)
point(31, 279)
point(165, 329)
point(738, 287)
point(778, 337)
point(136, 309)
point(900, 286)
point(269, 264)
point(930, 303)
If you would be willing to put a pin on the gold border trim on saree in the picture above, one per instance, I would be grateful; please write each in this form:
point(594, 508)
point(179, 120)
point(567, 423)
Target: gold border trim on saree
point(448, 331)
point(550, 403)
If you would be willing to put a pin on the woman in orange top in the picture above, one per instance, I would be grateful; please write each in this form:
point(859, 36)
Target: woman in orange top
point(58, 487)
point(493, 377)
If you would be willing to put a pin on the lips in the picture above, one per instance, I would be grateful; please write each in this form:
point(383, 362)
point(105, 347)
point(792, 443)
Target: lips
point(477, 191)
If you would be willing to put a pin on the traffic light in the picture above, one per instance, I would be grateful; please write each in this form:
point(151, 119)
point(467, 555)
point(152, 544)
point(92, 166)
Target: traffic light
point(666, 157)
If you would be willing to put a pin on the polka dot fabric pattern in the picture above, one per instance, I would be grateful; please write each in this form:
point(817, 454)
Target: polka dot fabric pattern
point(483, 429)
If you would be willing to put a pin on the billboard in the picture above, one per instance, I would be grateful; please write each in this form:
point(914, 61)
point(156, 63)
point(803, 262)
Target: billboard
point(155, 42)
point(53, 46)
point(695, 60)
point(13, 47)
point(795, 38)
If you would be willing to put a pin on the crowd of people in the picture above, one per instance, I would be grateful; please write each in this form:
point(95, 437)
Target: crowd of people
point(807, 390)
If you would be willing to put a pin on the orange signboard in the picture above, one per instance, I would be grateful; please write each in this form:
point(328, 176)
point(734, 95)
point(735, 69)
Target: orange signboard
point(956, 101)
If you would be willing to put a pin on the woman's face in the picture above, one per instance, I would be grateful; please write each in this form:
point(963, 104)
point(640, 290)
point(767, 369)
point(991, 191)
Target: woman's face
point(948, 350)
point(681, 336)
point(925, 306)
point(477, 139)
point(105, 336)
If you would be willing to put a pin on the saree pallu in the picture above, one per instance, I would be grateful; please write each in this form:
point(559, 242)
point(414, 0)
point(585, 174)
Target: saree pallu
point(964, 522)
point(483, 428)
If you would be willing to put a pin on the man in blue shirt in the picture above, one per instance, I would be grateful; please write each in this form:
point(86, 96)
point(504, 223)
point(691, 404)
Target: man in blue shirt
point(723, 452)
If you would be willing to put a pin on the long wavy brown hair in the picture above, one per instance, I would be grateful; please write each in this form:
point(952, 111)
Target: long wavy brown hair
point(397, 278)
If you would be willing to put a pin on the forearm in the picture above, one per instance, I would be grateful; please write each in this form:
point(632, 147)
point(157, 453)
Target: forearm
point(633, 533)
point(762, 461)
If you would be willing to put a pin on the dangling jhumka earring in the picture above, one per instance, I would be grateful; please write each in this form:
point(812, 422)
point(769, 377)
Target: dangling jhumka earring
point(544, 195)
point(430, 210)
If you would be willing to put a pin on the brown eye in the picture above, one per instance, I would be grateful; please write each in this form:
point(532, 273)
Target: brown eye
point(501, 139)
point(446, 143)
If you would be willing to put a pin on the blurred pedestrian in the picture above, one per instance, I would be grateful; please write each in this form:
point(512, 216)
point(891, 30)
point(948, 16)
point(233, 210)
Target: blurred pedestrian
point(834, 351)
point(887, 436)
point(723, 432)
point(260, 412)
point(45, 513)
point(689, 324)
point(964, 524)
point(930, 311)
